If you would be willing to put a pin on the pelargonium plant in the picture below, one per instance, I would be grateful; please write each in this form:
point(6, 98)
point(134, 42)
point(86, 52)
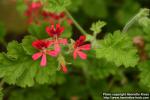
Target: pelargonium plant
point(64, 61)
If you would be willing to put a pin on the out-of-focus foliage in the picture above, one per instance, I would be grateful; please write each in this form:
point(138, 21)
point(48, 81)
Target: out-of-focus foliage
point(93, 8)
point(145, 75)
point(35, 93)
point(126, 11)
point(2, 31)
point(1, 94)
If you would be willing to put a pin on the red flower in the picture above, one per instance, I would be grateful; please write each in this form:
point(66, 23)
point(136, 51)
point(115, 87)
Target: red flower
point(79, 46)
point(55, 33)
point(57, 16)
point(52, 17)
point(33, 9)
point(42, 45)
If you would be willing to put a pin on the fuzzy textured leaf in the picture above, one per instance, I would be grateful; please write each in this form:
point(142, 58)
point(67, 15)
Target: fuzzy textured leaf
point(25, 43)
point(96, 27)
point(23, 71)
point(118, 48)
point(38, 31)
point(96, 68)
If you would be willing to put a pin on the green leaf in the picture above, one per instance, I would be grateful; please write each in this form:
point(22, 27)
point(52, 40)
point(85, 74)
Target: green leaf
point(23, 71)
point(145, 75)
point(144, 21)
point(38, 31)
point(96, 68)
point(68, 30)
point(96, 27)
point(14, 50)
point(102, 69)
point(25, 43)
point(56, 5)
point(118, 48)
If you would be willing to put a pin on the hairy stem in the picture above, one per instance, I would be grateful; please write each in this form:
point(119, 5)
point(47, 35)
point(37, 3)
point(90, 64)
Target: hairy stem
point(130, 23)
point(76, 23)
point(142, 13)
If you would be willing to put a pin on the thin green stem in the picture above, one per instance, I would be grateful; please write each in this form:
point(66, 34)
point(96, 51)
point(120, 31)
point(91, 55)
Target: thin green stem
point(76, 23)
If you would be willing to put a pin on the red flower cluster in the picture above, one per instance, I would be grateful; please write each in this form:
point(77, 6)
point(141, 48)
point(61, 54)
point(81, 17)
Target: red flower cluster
point(52, 17)
point(44, 46)
point(32, 10)
point(35, 13)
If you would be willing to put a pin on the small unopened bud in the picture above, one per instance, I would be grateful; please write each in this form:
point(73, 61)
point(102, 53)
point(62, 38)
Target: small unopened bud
point(139, 41)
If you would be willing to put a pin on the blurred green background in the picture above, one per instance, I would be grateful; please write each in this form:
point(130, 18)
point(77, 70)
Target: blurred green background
point(115, 12)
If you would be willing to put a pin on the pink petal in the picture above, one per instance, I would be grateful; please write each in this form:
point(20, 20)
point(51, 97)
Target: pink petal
point(62, 29)
point(85, 47)
point(75, 54)
point(57, 47)
point(52, 53)
point(36, 5)
point(57, 26)
point(48, 29)
point(82, 55)
point(43, 61)
point(64, 69)
point(36, 55)
point(63, 41)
